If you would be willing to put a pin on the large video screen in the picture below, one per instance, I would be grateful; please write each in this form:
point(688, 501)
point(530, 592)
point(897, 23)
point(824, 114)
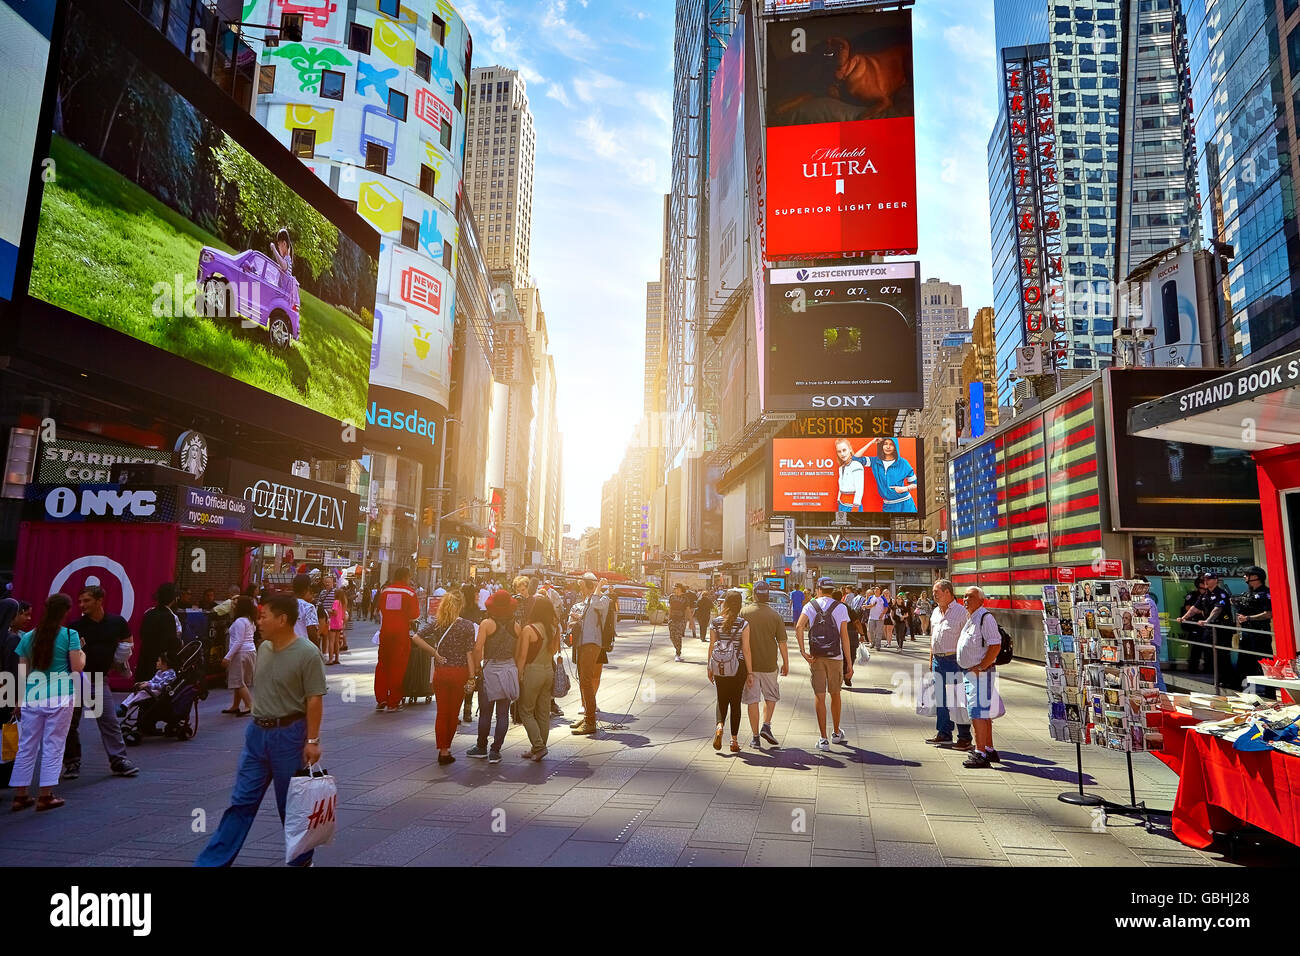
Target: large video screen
point(24, 49)
point(866, 475)
point(1165, 484)
point(841, 140)
point(843, 337)
point(160, 225)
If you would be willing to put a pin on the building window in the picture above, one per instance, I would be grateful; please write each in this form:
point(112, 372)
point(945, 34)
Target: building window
point(303, 143)
point(410, 233)
point(359, 38)
point(397, 105)
point(444, 135)
point(391, 8)
point(428, 179)
point(377, 158)
point(291, 27)
point(331, 84)
point(460, 97)
point(266, 79)
point(446, 256)
point(438, 29)
point(423, 65)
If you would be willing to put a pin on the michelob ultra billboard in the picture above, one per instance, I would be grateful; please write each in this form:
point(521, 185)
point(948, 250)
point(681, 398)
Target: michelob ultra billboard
point(841, 139)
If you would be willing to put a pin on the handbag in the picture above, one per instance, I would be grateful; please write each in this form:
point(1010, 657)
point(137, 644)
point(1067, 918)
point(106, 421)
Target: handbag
point(562, 684)
point(309, 819)
point(927, 698)
point(864, 655)
point(9, 748)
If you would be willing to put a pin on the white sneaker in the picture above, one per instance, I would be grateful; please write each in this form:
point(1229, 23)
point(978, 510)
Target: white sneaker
point(823, 744)
point(839, 738)
point(679, 658)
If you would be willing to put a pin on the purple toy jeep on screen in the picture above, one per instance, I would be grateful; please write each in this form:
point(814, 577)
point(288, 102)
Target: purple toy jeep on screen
point(251, 286)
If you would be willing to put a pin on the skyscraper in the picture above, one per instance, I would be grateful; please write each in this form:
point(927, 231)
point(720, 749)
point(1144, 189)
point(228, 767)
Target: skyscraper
point(1245, 58)
point(499, 161)
point(941, 313)
point(1053, 178)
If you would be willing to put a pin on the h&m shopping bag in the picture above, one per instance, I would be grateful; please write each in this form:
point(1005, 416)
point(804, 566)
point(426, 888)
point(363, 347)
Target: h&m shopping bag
point(927, 697)
point(309, 812)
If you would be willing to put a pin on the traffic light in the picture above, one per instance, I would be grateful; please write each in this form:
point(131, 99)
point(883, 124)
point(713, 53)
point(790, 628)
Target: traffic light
point(427, 520)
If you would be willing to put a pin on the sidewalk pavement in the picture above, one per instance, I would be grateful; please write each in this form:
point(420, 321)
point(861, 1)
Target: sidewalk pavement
point(649, 792)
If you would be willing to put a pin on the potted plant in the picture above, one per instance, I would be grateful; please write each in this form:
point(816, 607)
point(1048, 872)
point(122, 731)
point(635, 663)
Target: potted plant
point(656, 610)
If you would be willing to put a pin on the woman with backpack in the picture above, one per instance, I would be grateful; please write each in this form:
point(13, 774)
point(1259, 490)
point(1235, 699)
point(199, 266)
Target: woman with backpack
point(498, 654)
point(728, 652)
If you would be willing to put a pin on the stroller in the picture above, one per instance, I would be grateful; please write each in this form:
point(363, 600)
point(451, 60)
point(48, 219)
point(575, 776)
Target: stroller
point(176, 708)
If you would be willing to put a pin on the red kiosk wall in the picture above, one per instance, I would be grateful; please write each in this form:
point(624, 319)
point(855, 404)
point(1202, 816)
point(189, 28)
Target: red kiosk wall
point(1279, 469)
point(128, 561)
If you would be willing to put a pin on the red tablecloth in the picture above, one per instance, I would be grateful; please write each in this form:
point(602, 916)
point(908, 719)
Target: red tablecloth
point(1220, 787)
point(1175, 728)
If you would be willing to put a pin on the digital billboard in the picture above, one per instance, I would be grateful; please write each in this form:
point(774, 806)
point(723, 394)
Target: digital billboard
point(1169, 307)
point(1160, 484)
point(841, 139)
point(727, 171)
point(160, 224)
point(866, 475)
point(24, 48)
point(843, 337)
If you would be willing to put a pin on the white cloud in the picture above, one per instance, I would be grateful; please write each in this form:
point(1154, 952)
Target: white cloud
point(554, 22)
point(556, 92)
point(657, 103)
point(592, 84)
point(968, 42)
point(490, 20)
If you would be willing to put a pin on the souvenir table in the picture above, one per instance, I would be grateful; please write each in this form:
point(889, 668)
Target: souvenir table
point(1219, 788)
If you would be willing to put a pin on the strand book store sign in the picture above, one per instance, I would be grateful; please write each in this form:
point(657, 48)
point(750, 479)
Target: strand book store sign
point(843, 338)
point(841, 136)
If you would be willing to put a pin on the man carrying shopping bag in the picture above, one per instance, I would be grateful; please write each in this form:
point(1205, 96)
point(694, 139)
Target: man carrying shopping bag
point(285, 733)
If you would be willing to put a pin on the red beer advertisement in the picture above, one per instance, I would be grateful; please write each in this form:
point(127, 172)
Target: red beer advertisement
point(841, 138)
point(866, 475)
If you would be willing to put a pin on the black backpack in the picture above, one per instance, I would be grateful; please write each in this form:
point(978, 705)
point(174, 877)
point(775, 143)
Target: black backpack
point(1005, 650)
point(824, 635)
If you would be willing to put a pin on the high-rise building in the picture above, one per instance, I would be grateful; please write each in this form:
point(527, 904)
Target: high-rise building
point(938, 431)
point(1054, 178)
point(1157, 194)
point(499, 161)
point(700, 36)
point(654, 331)
point(981, 365)
point(1244, 62)
point(941, 313)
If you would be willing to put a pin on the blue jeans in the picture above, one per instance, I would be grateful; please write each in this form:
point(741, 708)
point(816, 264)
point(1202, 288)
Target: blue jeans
point(945, 668)
point(269, 756)
point(485, 709)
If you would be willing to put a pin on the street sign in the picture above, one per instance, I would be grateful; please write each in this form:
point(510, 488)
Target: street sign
point(862, 568)
point(709, 565)
point(789, 538)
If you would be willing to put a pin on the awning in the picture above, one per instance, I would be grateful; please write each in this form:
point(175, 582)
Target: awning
point(1253, 409)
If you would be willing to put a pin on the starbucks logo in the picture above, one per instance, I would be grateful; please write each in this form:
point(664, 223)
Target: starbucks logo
point(191, 454)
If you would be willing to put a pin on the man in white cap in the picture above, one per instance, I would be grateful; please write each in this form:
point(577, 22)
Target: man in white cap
point(826, 621)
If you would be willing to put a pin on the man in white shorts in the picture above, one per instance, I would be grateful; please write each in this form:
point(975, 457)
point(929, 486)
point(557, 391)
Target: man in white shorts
point(766, 636)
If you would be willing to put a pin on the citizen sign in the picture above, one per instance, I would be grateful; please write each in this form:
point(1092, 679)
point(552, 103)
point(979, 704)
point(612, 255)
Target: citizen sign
point(64, 502)
point(296, 505)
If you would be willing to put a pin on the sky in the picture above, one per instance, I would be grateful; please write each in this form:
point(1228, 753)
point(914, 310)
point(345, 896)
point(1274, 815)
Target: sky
point(599, 75)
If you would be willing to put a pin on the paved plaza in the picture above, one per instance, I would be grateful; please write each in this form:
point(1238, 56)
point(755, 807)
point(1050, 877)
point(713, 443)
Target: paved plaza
point(651, 792)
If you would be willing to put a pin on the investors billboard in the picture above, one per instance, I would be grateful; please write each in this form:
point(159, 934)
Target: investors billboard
point(170, 218)
point(841, 140)
point(843, 337)
point(871, 475)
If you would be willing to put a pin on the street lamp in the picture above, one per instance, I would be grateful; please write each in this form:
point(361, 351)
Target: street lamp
point(441, 489)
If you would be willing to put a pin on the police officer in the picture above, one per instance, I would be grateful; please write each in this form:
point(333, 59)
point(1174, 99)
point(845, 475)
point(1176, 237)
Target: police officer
point(1254, 612)
point(1193, 631)
point(1215, 605)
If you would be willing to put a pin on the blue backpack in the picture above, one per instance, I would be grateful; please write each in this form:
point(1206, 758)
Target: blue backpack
point(824, 635)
